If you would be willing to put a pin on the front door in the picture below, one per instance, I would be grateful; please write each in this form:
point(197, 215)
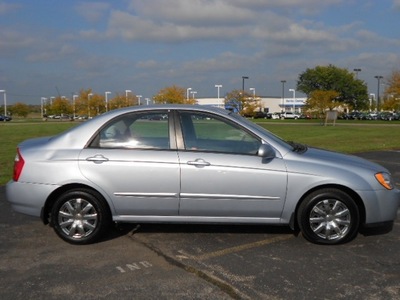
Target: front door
point(222, 175)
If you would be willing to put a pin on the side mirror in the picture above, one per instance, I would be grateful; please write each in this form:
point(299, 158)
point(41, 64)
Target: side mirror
point(266, 151)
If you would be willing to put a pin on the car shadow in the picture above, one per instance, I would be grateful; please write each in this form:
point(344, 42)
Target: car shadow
point(130, 228)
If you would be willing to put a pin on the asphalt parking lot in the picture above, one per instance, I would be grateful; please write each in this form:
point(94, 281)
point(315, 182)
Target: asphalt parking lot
point(197, 262)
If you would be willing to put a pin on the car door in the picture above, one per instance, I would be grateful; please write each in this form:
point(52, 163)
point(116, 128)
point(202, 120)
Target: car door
point(132, 161)
point(221, 173)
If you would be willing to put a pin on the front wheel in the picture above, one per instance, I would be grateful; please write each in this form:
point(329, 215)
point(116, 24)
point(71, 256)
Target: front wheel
point(80, 216)
point(328, 216)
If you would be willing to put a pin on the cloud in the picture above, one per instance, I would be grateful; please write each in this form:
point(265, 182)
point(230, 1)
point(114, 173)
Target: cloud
point(132, 27)
point(396, 4)
point(213, 20)
point(6, 8)
point(93, 11)
point(204, 12)
point(12, 41)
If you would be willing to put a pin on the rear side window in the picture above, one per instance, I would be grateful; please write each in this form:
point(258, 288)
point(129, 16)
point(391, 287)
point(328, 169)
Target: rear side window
point(135, 131)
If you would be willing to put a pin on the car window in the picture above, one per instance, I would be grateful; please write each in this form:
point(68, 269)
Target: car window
point(136, 131)
point(204, 132)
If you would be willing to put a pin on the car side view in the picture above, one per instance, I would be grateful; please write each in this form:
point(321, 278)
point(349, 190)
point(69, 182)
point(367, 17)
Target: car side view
point(194, 164)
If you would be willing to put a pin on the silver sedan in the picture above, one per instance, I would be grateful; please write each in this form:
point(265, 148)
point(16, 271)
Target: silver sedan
point(193, 164)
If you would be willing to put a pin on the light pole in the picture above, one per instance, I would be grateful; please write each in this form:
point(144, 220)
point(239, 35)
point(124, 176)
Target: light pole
point(294, 99)
point(43, 99)
point(139, 96)
point(74, 105)
point(187, 94)
point(218, 86)
point(379, 77)
point(193, 93)
point(126, 96)
point(357, 70)
point(283, 94)
point(243, 78)
point(88, 103)
point(370, 100)
point(106, 94)
point(254, 93)
point(5, 103)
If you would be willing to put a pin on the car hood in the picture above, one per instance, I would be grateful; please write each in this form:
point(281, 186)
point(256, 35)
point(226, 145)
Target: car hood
point(340, 160)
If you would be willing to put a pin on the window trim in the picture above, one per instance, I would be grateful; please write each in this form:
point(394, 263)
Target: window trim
point(181, 139)
point(94, 142)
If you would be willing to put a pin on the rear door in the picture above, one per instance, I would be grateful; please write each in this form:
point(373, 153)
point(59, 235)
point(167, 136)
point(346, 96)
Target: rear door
point(132, 161)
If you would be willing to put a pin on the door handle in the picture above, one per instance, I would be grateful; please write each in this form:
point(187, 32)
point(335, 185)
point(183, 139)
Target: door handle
point(98, 158)
point(199, 163)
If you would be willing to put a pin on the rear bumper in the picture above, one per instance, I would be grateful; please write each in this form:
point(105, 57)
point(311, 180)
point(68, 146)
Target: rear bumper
point(28, 198)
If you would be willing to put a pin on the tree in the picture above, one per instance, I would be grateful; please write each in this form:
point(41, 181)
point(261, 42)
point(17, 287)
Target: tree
point(61, 106)
point(81, 103)
point(242, 102)
point(118, 101)
point(392, 93)
point(89, 104)
point(352, 91)
point(173, 94)
point(391, 104)
point(97, 105)
point(322, 100)
point(19, 109)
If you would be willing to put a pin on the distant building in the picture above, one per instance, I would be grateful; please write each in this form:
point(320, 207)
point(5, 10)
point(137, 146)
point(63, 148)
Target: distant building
point(267, 104)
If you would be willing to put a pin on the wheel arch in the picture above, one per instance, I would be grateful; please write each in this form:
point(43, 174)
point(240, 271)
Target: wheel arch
point(357, 199)
point(46, 210)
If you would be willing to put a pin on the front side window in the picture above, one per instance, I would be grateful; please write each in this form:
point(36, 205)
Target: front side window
point(204, 132)
point(135, 131)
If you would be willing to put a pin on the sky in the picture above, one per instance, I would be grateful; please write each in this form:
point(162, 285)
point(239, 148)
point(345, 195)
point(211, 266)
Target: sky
point(54, 48)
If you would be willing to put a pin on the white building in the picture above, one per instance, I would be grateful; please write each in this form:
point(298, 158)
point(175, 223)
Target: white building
point(267, 104)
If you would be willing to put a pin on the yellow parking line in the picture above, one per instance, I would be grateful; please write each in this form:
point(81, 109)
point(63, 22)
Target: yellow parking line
point(242, 247)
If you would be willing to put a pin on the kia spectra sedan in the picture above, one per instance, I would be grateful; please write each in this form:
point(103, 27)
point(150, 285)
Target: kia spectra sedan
point(194, 164)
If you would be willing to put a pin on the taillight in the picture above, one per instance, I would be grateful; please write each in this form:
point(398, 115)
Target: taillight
point(18, 165)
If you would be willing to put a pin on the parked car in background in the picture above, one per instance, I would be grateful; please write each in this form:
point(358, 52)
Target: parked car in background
point(260, 115)
point(194, 164)
point(354, 115)
point(5, 118)
point(273, 116)
point(289, 115)
point(373, 115)
point(388, 116)
point(305, 116)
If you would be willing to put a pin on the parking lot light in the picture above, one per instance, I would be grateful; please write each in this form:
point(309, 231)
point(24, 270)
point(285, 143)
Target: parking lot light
point(187, 94)
point(218, 86)
point(294, 98)
point(379, 77)
point(5, 103)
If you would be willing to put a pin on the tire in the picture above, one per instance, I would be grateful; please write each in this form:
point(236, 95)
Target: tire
point(328, 216)
point(80, 216)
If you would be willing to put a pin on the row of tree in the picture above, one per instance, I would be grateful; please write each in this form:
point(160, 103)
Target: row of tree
point(326, 87)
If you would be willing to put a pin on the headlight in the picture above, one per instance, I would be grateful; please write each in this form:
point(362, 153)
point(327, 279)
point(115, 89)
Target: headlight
point(385, 180)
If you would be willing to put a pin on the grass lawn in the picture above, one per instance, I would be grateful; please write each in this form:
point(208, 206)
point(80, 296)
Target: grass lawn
point(11, 134)
point(349, 137)
point(344, 137)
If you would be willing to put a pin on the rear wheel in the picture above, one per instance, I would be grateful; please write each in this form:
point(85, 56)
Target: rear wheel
point(80, 216)
point(328, 216)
